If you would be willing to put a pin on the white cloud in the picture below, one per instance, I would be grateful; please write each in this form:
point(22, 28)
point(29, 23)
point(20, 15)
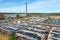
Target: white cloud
point(37, 6)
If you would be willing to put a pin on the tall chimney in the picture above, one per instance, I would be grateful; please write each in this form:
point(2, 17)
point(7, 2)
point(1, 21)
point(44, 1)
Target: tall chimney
point(26, 8)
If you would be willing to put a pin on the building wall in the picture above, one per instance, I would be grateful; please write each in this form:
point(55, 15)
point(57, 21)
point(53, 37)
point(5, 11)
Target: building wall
point(14, 15)
point(21, 15)
point(10, 15)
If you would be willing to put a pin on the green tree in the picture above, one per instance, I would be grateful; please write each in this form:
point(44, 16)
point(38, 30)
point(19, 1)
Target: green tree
point(17, 16)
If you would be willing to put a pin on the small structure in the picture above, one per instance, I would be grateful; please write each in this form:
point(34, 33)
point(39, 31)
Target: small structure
point(1, 16)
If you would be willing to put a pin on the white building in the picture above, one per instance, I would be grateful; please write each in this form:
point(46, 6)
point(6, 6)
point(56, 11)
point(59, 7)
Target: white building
point(21, 15)
point(14, 14)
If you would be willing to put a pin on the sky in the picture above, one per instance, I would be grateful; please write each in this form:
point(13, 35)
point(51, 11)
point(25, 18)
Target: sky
point(33, 6)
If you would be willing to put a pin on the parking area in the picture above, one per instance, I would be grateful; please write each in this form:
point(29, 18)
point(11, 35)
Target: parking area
point(31, 32)
point(54, 34)
point(29, 28)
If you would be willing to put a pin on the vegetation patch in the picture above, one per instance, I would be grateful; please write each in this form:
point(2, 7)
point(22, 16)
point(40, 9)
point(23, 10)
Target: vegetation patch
point(11, 37)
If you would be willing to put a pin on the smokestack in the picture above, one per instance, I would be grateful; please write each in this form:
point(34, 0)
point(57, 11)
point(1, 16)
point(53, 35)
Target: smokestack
point(26, 8)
